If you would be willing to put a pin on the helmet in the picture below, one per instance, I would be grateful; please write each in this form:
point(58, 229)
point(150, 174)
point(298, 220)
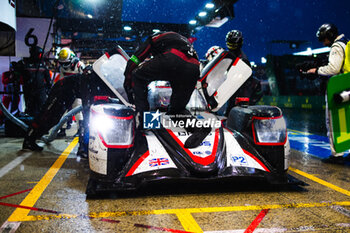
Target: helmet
point(234, 39)
point(213, 51)
point(36, 52)
point(65, 57)
point(327, 31)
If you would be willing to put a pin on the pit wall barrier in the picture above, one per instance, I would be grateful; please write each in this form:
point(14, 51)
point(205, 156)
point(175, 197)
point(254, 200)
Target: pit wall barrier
point(298, 102)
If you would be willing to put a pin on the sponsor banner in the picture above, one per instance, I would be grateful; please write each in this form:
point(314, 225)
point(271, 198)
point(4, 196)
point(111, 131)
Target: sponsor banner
point(338, 92)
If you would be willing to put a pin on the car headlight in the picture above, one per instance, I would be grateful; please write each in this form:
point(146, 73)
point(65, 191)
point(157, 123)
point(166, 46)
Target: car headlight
point(114, 131)
point(269, 131)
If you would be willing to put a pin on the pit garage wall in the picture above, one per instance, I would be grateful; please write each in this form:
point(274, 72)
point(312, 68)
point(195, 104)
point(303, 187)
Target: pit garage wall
point(299, 102)
point(40, 26)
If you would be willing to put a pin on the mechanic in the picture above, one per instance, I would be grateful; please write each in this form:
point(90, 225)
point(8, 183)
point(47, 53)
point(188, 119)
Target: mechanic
point(210, 54)
point(36, 80)
point(166, 56)
point(329, 36)
point(61, 97)
point(12, 81)
point(70, 64)
point(252, 87)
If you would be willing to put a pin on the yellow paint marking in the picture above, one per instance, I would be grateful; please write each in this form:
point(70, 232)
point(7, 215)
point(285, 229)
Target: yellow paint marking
point(188, 222)
point(49, 217)
point(344, 134)
point(21, 214)
point(184, 215)
point(318, 180)
point(296, 131)
point(191, 210)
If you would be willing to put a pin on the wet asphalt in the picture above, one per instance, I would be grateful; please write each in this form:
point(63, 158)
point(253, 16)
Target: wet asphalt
point(45, 192)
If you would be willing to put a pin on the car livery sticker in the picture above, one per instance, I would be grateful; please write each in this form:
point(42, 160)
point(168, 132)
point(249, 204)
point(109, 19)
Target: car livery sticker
point(158, 162)
point(203, 154)
point(156, 157)
point(238, 157)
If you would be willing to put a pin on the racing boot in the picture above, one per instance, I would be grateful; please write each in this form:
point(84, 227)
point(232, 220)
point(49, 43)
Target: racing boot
point(183, 115)
point(29, 142)
point(197, 137)
point(82, 152)
point(83, 142)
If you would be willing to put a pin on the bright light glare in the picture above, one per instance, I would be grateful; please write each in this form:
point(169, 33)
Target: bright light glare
point(156, 30)
point(89, 16)
point(252, 63)
point(202, 14)
point(263, 60)
point(192, 22)
point(101, 123)
point(310, 51)
point(209, 5)
point(127, 28)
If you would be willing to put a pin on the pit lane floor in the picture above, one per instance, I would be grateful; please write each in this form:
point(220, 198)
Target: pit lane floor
point(45, 192)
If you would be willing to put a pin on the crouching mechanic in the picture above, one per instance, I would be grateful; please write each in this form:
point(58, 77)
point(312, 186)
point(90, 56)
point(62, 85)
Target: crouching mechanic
point(165, 56)
point(61, 97)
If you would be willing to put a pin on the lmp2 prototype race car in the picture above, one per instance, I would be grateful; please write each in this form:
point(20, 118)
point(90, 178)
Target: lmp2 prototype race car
point(251, 142)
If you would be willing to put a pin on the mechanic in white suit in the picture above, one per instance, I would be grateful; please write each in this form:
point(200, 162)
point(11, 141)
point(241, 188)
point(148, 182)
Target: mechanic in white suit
point(70, 64)
point(329, 36)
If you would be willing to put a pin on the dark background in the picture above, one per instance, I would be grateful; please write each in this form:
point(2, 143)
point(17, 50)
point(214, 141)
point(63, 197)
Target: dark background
point(261, 21)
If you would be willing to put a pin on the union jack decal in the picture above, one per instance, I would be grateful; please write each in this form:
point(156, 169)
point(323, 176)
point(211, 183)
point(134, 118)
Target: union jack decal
point(158, 162)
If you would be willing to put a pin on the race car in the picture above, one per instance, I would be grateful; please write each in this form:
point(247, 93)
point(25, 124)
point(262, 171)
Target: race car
point(251, 142)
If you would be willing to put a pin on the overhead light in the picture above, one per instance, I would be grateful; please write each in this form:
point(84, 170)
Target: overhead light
point(89, 16)
point(155, 30)
point(60, 7)
point(310, 51)
point(192, 22)
point(263, 60)
point(127, 28)
point(209, 5)
point(202, 14)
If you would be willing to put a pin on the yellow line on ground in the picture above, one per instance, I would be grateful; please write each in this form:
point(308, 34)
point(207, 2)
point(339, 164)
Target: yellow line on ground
point(183, 212)
point(184, 215)
point(296, 131)
point(21, 214)
point(188, 222)
point(318, 180)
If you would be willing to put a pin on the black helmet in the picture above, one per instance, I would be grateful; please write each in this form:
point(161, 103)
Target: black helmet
point(36, 52)
point(234, 39)
point(327, 31)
